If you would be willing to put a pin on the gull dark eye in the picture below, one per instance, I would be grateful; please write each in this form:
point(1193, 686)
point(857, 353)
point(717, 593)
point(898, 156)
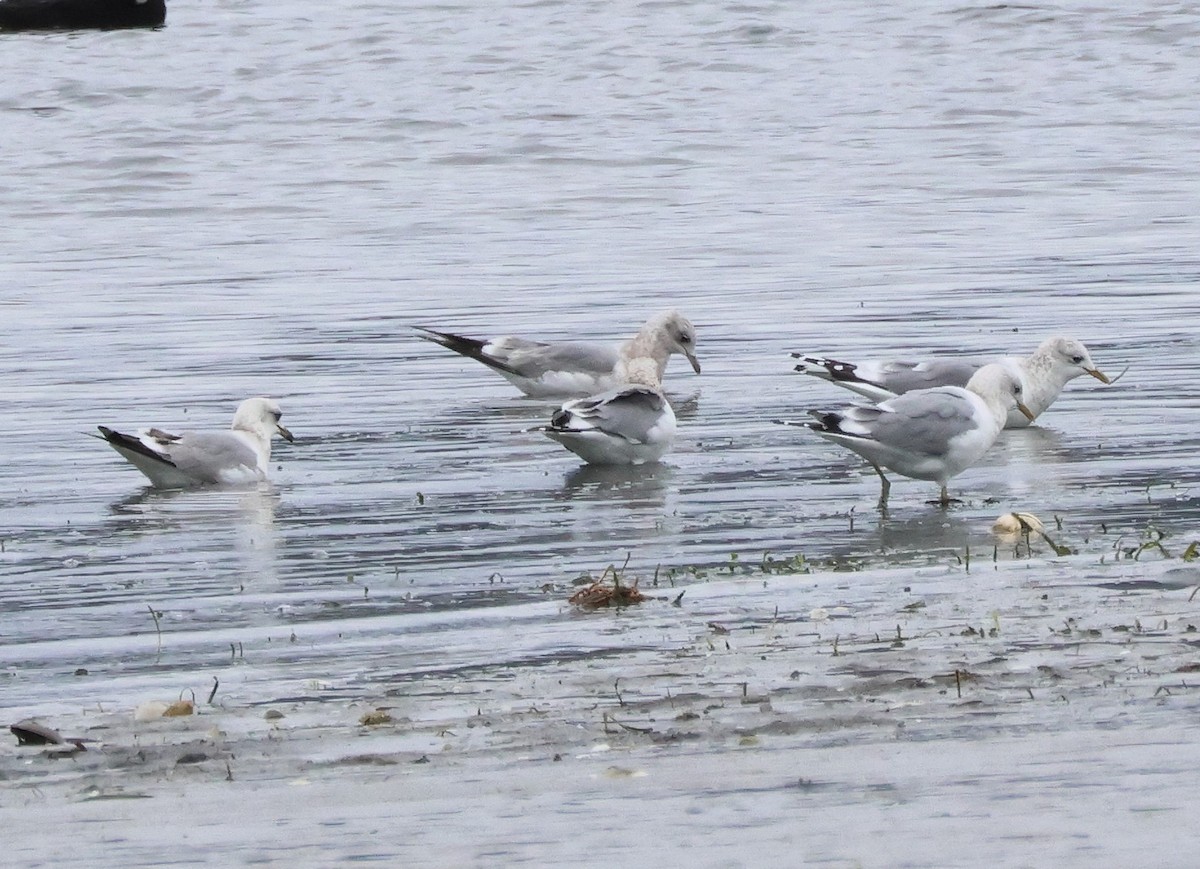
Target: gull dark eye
point(1076, 359)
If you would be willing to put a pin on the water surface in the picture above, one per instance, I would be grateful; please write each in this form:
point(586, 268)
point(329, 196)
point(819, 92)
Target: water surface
point(262, 200)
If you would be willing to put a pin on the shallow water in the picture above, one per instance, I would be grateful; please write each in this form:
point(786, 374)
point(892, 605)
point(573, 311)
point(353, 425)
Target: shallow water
point(261, 200)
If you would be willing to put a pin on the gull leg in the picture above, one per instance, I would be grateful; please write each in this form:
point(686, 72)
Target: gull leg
point(884, 489)
point(945, 500)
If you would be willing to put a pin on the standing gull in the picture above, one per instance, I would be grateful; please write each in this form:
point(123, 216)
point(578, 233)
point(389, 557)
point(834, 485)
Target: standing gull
point(571, 369)
point(1043, 373)
point(629, 425)
point(926, 434)
point(177, 461)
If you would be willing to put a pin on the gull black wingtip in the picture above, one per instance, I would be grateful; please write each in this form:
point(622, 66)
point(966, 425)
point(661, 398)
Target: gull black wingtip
point(797, 423)
point(125, 442)
point(472, 348)
point(457, 343)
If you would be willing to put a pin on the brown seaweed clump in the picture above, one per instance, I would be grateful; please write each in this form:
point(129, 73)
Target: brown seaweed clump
point(603, 594)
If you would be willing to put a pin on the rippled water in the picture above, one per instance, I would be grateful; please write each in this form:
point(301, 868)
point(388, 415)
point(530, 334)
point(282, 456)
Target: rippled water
point(261, 199)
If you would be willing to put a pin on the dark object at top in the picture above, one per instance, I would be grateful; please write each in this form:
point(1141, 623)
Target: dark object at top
point(80, 14)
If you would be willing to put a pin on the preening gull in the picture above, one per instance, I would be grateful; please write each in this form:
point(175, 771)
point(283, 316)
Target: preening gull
point(177, 461)
point(926, 434)
point(629, 425)
point(543, 369)
point(1043, 373)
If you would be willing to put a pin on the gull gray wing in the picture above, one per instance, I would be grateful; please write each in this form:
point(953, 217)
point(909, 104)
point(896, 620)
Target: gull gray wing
point(630, 413)
point(206, 455)
point(533, 358)
point(921, 422)
point(900, 376)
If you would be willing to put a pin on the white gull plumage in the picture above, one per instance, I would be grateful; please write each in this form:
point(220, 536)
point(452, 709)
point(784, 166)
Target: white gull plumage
point(1043, 373)
point(542, 369)
point(926, 434)
point(629, 425)
point(176, 461)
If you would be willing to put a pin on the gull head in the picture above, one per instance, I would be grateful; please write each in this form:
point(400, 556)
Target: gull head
point(261, 416)
point(1000, 387)
point(679, 335)
point(1072, 356)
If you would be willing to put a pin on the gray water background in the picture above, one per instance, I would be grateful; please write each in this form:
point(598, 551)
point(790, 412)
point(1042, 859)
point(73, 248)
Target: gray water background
point(261, 198)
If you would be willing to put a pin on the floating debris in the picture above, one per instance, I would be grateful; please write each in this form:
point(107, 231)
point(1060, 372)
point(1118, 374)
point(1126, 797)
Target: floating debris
point(179, 708)
point(1014, 527)
point(30, 732)
point(376, 717)
point(150, 710)
point(364, 760)
point(95, 794)
point(624, 772)
point(1016, 524)
point(601, 594)
point(153, 709)
point(598, 594)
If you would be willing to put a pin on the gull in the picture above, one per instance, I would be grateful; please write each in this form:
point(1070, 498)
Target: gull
point(177, 461)
point(1043, 374)
point(926, 434)
point(572, 369)
point(629, 425)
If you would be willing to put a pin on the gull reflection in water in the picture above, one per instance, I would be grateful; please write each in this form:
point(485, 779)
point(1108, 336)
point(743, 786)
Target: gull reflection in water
point(1032, 460)
point(646, 483)
point(924, 529)
point(210, 516)
point(624, 503)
